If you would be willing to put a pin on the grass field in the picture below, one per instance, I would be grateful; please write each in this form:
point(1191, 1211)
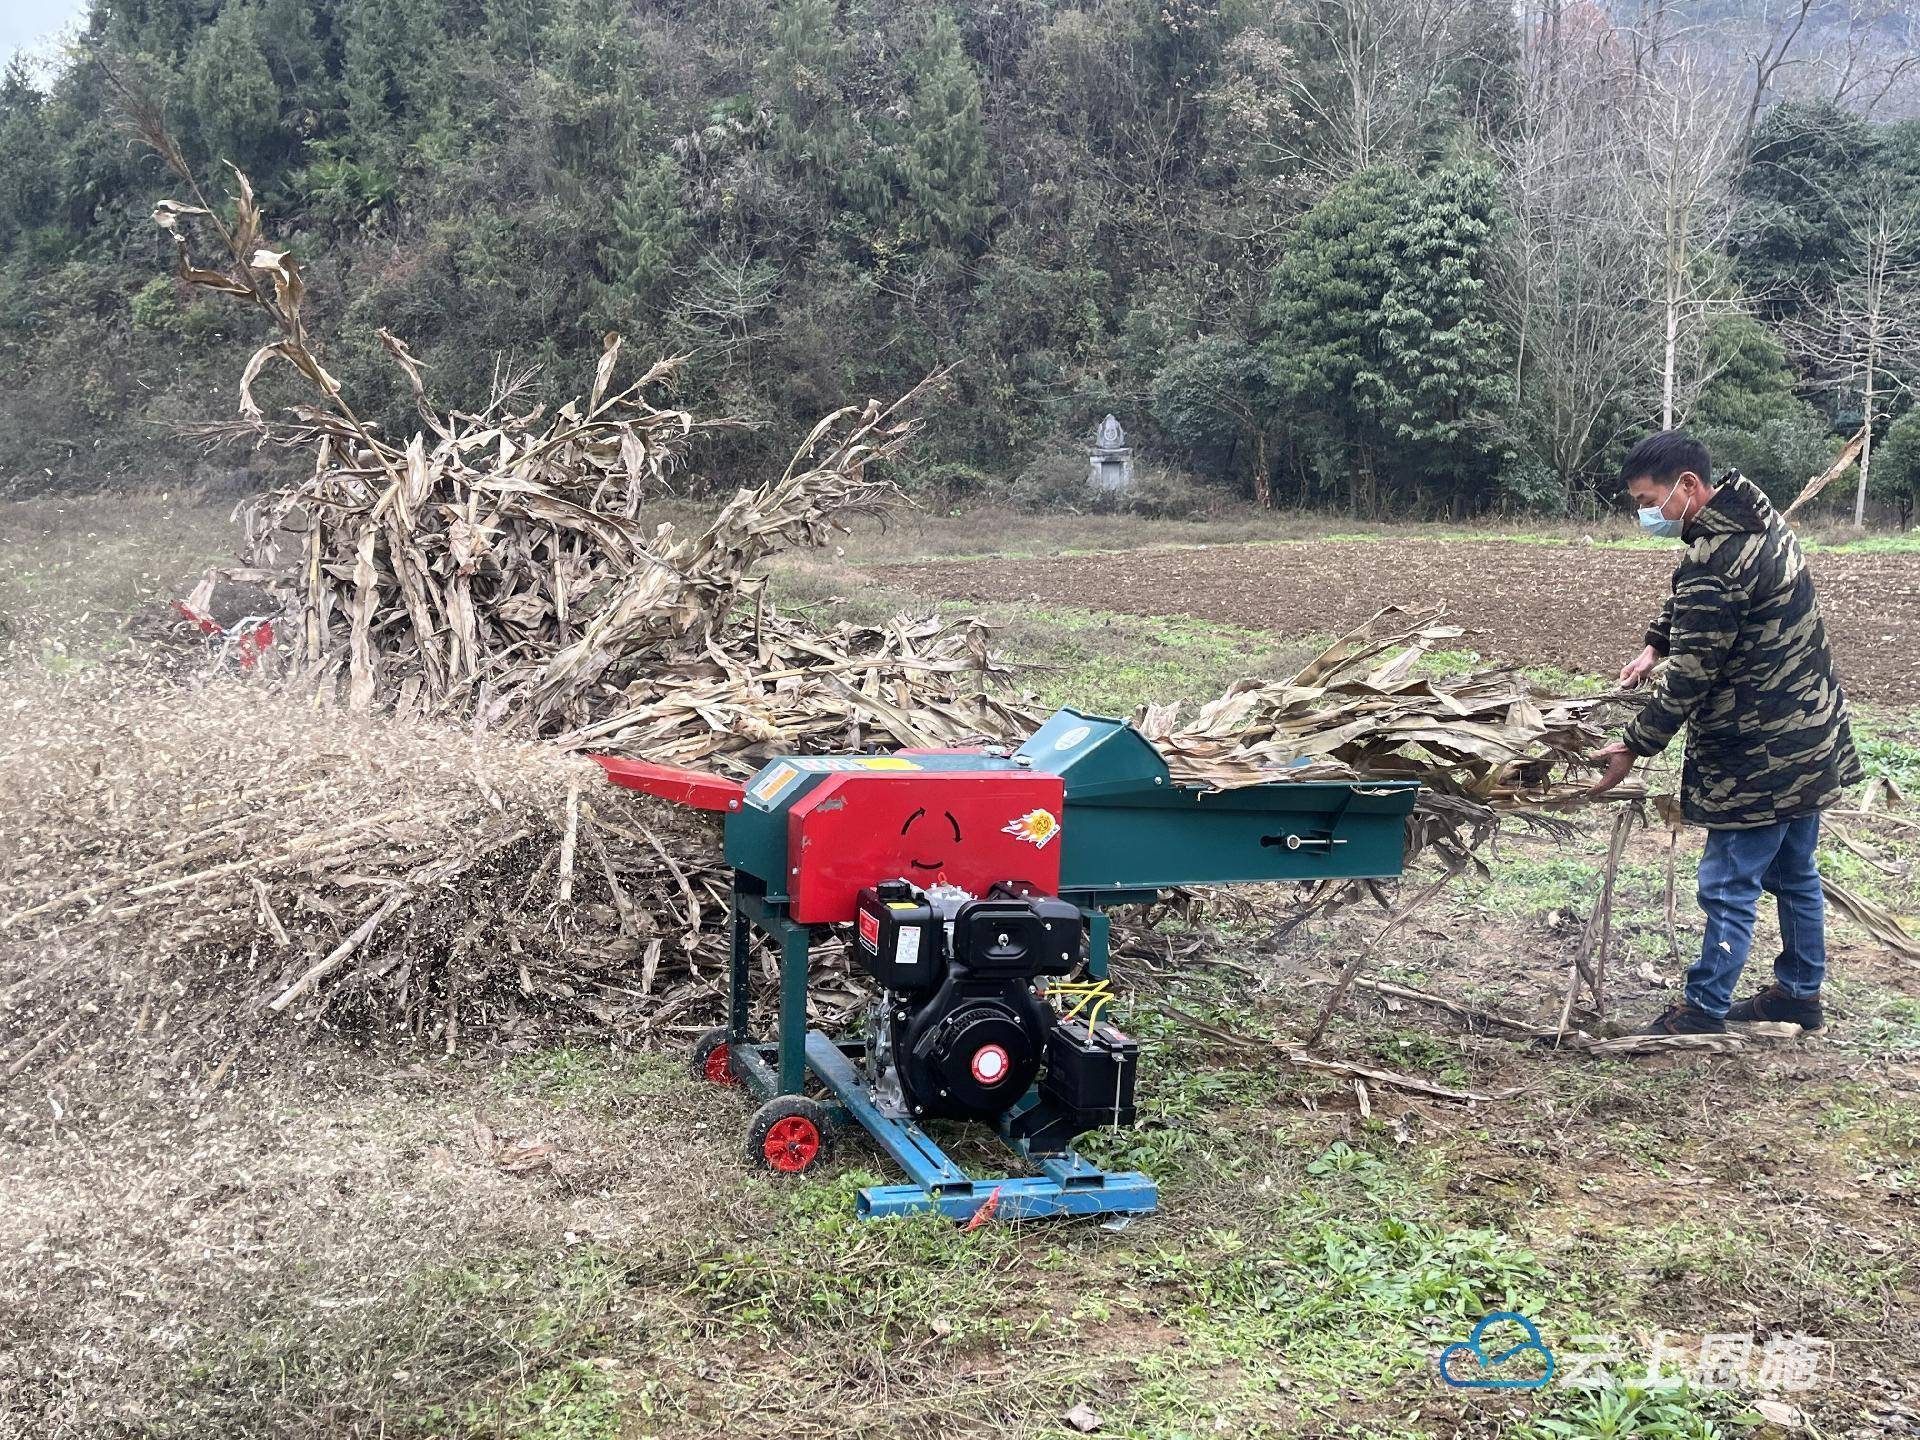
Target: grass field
point(325, 1244)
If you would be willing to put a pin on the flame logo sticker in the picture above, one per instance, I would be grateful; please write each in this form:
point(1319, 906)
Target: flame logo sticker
point(1036, 827)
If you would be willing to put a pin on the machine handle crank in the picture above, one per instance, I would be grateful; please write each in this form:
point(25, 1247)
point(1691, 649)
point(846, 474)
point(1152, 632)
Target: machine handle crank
point(1324, 843)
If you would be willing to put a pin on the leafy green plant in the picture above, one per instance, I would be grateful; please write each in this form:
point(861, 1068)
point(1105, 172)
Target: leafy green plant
point(1634, 1412)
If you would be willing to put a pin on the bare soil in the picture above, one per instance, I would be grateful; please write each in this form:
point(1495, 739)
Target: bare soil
point(1581, 608)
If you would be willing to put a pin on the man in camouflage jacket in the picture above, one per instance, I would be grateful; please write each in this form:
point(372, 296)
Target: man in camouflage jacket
point(1750, 676)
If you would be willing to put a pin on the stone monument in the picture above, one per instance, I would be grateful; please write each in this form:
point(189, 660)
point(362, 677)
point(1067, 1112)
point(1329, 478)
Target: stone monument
point(1110, 462)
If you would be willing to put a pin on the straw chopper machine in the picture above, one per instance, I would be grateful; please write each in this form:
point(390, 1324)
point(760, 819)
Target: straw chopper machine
point(974, 886)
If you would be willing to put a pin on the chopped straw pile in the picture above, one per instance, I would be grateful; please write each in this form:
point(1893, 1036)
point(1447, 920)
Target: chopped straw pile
point(246, 855)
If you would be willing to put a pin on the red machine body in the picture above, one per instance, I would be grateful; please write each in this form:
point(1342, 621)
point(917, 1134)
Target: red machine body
point(971, 828)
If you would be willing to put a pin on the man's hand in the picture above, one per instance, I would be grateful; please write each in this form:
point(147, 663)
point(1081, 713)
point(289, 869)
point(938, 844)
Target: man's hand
point(1637, 669)
point(1619, 762)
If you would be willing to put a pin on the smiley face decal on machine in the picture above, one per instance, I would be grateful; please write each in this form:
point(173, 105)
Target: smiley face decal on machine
point(914, 830)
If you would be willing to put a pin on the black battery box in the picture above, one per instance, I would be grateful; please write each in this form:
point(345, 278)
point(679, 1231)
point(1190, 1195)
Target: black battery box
point(1087, 1085)
point(897, 938)
point(1090, 1072)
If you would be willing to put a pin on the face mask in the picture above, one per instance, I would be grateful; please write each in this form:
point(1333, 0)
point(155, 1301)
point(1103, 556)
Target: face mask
point(1654, 523)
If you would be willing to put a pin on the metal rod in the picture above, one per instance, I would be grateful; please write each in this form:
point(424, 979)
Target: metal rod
point(737, 977)
point(795, 942)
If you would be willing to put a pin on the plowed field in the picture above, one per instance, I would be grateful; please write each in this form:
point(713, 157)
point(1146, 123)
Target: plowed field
point(1580, 607)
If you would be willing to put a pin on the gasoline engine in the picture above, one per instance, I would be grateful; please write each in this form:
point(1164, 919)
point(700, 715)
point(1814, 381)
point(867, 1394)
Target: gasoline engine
point(964, 1028)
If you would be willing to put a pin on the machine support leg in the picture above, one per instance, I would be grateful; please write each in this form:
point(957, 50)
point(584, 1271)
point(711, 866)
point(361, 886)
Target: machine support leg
point(737, 976)
point(795, 942)
point(1097, 927)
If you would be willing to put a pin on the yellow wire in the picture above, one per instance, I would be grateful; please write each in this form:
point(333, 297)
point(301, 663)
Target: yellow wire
point(1096, 992)
point(1093, 1018)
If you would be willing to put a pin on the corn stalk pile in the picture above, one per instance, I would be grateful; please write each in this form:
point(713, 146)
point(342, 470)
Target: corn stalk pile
point(493, 567)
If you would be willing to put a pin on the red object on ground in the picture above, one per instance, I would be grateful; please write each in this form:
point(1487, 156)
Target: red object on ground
point(718, 1066)
point(986, 1211)
point(697, 789)
point(252, 641)
point(204, 622)
point(791, 1144)
point(255, 641)
point(971, 828)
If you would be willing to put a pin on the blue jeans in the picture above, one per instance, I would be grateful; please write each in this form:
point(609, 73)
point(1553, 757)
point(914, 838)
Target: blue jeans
point(1737, 866)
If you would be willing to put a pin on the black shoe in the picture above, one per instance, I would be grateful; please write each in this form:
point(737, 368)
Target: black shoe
point(1774, 1006)
point(1684, 1020)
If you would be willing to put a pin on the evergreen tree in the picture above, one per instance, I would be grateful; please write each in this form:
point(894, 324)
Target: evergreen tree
point(1211, 396)
point(236, 105)
point(650, 233)
point(1750, 382)
point(1894, 478)
point(1749, 416)
point(1806, 162)
point(296, 56)
point(593, 67)
point(1443, 379)
point(811, 131)
point(27, 156)
point(941, 160)
point(397, 78)
point(1323, 319)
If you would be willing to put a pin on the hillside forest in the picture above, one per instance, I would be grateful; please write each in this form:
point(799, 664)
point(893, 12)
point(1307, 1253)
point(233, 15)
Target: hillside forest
point(1407, 258)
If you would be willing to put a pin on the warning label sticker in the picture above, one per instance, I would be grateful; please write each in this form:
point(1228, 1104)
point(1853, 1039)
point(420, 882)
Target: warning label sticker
point(906, 947)
point(774, 781)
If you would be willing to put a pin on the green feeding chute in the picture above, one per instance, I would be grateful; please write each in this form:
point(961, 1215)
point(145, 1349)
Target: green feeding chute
point(1131, 829)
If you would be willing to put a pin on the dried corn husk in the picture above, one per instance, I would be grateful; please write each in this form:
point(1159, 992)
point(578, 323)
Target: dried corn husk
point(1482, 744)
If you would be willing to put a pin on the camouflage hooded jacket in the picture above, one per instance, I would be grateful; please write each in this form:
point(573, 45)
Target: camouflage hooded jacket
point(1749, 673)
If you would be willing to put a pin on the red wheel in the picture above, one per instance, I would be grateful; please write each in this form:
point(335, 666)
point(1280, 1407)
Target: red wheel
point(712, 1060)
point(791, 1145)
point(789, 1135)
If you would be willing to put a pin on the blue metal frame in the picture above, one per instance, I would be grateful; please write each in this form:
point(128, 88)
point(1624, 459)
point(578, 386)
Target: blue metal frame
point(1067, 1184)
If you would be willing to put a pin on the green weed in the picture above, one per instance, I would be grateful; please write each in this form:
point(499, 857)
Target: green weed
point(1631, 1412)
point(574, 1401)
point(602, 1076)
point(1889, 1125)
point(1526, 885)
point(1183, 1127)
point(1907, 544)
point(1884, 755)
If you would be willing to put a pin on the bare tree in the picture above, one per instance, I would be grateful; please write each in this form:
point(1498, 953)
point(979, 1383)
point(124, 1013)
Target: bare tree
point(1865, 336)
point(721, 300)
point(1769, 50)
point(1573, 282)
point(1389, 65)
point(1879, 48)
point(1683, 204)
